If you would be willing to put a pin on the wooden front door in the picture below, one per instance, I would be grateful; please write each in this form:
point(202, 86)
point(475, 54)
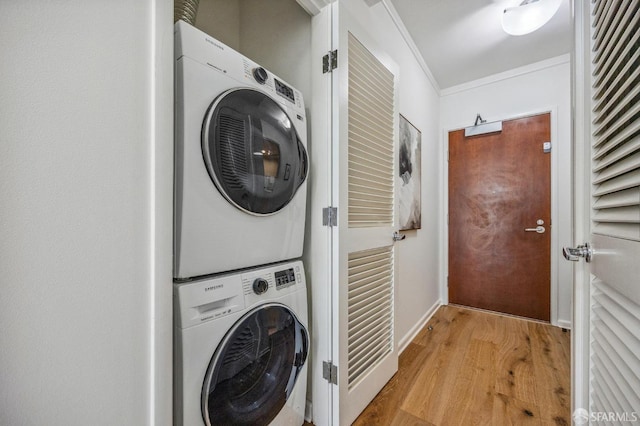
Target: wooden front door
point(499, 192)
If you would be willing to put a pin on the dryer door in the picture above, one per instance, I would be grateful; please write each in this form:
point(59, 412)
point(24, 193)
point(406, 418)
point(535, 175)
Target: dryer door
point(255, 368)
point(252, 151)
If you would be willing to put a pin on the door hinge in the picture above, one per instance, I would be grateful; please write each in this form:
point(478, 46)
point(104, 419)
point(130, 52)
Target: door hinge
point(330, 61)
point(330, 216)
point(546, 147)
point(330, 372)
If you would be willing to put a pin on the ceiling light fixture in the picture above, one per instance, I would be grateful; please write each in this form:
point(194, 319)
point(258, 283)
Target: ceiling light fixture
point(528, 16)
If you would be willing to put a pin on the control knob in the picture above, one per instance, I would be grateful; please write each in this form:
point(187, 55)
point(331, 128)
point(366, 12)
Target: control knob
point(260, 74)
point(260, 285)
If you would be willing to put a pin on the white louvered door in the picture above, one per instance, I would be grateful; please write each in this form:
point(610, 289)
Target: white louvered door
point(365, 126)
point(607, 297)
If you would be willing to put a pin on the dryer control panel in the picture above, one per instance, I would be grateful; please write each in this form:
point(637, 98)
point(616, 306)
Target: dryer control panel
point(285, 277)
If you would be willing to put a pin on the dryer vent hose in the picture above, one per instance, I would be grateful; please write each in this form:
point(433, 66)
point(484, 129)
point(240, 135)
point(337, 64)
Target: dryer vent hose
point(185, 10)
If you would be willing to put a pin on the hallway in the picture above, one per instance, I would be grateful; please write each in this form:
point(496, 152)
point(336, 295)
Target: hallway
point(471, 367)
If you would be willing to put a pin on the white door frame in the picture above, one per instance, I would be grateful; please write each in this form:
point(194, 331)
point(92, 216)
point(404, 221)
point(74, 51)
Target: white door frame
point(582, 205)
point(318, 242)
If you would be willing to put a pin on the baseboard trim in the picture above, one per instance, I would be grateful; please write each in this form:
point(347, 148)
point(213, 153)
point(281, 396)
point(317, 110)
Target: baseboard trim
point(307, 411)
point(404, 342)
point(564, 324)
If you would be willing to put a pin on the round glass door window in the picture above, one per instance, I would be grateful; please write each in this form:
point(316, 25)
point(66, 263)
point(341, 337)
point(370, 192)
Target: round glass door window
point(254, 370)
point(252, 151)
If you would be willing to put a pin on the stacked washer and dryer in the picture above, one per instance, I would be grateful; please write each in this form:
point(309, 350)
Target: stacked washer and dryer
point(240, 297)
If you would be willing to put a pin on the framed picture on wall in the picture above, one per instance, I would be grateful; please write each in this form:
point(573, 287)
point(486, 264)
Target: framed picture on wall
point(409, 157)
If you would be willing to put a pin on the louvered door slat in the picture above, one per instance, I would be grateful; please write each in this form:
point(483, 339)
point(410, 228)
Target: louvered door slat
point(628, 197)
point(629, 215)
point(369, 137)
point(370, 310)
point(371, 290)
point(365, 326)
point(601, 31)
point(626, 137)
point(365, 176)
point(611, 108)
point(369, 345)
point(597, 15)
point(604, 92)
point(370, 110)
point(371, 69)
point(618, 183)
point(359, 161)
point(365, 302)
point(364, 273)
point(615, 362)
point(366, 90)
point(616, 118)
point(364, 199)
point(624, 164)
point(361, 154)
point(611, 51)
point(368, 119)
point(376, 353)
point(620, 120)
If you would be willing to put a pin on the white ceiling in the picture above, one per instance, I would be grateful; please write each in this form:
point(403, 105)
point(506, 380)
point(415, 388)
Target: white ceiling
point(463, 40)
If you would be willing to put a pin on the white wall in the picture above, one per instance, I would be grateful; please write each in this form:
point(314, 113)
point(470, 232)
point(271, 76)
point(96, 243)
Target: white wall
point(86, 194)
point(418, 256)
point(541, 87)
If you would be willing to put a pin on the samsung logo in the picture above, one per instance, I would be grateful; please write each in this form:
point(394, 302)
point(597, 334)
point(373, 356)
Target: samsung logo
point(214, 287)
point(208, 40)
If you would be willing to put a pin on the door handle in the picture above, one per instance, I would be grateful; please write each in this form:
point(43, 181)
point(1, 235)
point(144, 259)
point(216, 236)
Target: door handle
point(398, 236)
point(539, 229)
point(574, 254)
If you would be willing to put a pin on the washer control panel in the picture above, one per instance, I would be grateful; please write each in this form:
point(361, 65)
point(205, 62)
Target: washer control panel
point(211, 298)
point(273, 281)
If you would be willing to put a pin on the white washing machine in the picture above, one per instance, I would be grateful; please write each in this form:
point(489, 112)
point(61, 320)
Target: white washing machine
point(240, 348)
point(240, 160)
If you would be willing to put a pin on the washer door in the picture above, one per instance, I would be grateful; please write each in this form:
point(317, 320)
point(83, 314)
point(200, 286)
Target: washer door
point(255, 368)
point(252, 151)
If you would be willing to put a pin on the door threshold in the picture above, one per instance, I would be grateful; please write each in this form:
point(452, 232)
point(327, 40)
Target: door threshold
point(502, 314)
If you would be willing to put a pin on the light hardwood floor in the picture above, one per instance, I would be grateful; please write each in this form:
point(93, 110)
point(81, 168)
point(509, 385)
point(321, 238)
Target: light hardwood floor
point(469, 367)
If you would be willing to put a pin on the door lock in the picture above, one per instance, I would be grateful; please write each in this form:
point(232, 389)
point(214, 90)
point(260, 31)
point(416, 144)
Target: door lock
point(574, 254)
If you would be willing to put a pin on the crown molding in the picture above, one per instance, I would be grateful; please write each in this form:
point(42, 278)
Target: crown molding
point(313, 7)
point(516, 72)
point(393, 13)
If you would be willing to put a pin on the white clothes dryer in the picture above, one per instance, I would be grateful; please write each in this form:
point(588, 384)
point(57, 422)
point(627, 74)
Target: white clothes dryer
point(240, 160)
point(240, 348)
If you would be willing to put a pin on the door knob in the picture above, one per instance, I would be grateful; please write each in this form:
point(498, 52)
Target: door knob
point(398, 236)
point(539, 229)
point(574, 254)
